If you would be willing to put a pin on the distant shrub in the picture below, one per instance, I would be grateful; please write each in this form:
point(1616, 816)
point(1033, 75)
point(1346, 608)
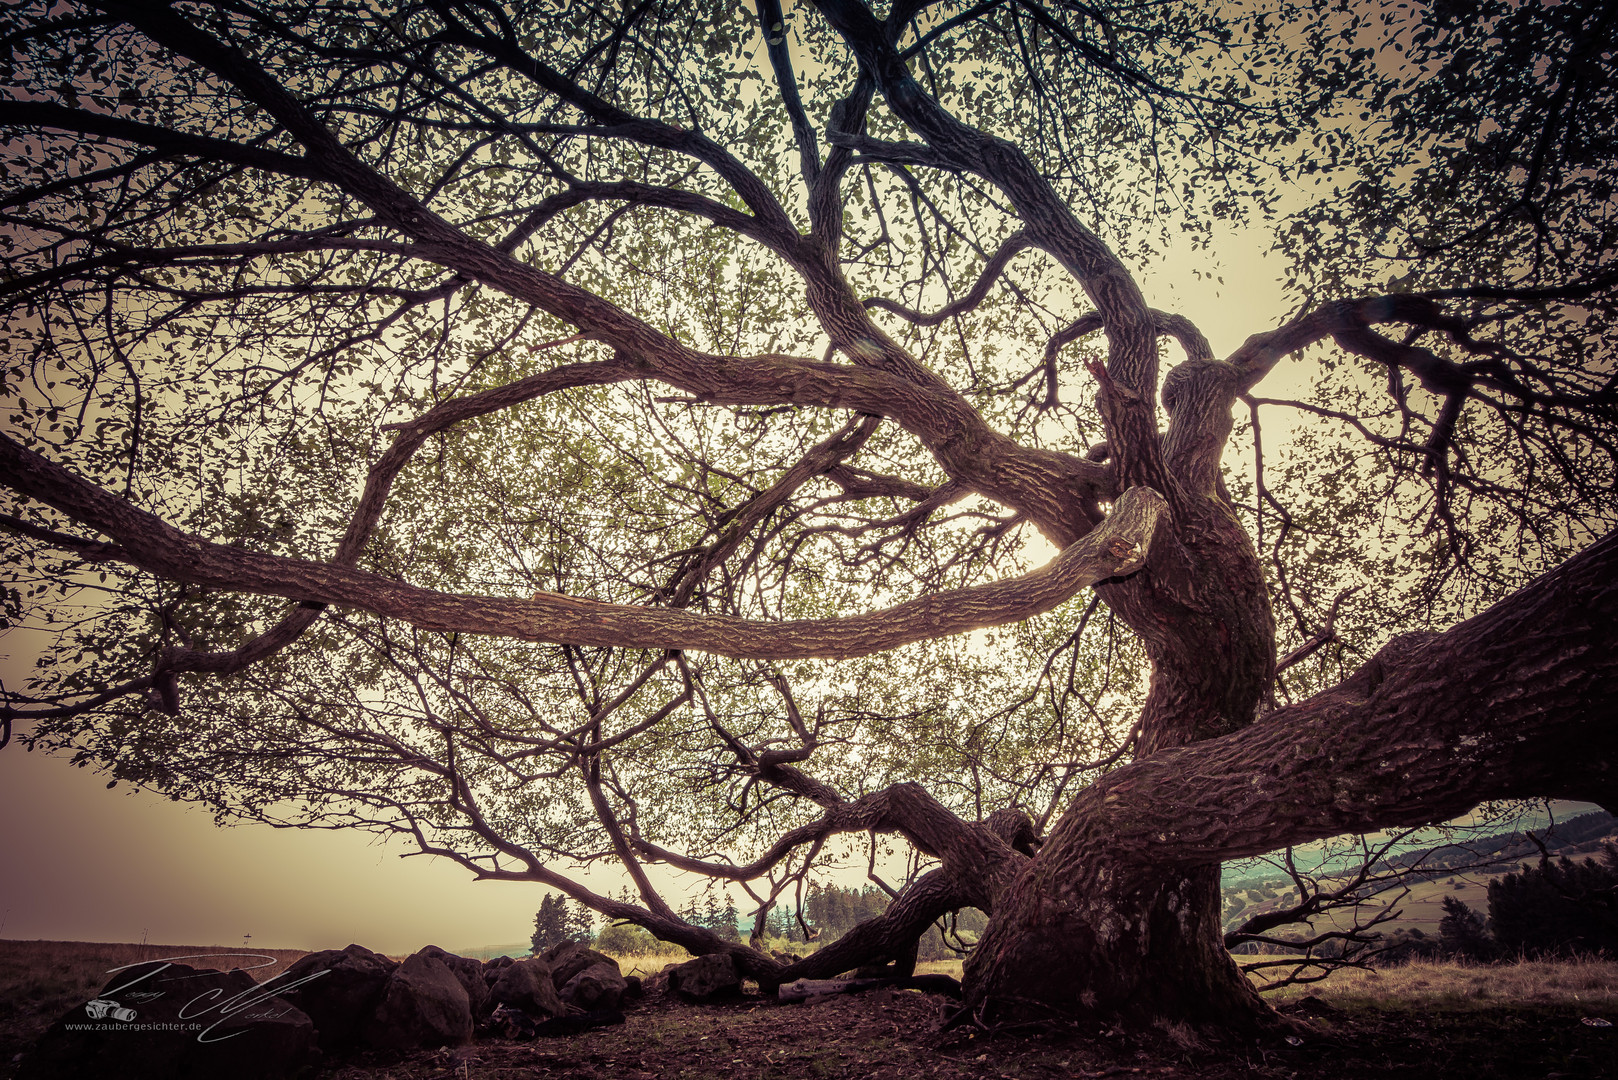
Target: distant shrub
point(1405, 945)
point(627, 940)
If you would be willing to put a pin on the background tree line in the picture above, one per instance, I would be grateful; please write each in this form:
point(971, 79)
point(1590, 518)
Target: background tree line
point(829, 911)
point(560, 919)
point(1559, 908)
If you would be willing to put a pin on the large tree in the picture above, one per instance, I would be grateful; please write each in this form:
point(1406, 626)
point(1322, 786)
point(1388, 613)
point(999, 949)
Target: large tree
point(556, 432)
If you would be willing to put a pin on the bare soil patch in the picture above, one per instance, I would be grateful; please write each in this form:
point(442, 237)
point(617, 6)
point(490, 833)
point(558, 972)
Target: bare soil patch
point(895, 1035)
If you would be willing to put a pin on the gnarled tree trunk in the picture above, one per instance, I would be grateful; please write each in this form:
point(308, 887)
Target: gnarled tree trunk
point(1117, 916)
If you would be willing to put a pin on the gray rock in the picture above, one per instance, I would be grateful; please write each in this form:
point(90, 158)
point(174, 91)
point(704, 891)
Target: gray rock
point(424, 1004)
point(570, 958)
point(710, 976)
point(596, 988)
point(492, 968)
point(529, 986)
point(470, 974)
point(174, 1022)
point(343, 998)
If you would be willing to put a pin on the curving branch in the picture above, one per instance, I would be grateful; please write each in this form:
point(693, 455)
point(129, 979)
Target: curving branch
point(1051, 225)
point(770, 17)
point(1525, 709)
point(1041, 484)
point(1118, 547)
point(612, 121)
point(1009, 249)
point(1350, 321)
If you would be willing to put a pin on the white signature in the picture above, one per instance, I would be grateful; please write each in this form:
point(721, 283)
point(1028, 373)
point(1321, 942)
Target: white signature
point(248, 1004)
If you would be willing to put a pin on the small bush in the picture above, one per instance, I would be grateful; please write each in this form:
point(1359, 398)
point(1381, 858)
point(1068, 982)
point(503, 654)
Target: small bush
point(626, 939)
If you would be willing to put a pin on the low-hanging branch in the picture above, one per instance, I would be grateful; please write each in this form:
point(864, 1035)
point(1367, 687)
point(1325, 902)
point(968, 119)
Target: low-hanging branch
point(1118, 547)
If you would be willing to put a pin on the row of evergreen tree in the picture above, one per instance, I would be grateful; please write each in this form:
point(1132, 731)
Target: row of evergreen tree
point(560, 920)
point(829, 910)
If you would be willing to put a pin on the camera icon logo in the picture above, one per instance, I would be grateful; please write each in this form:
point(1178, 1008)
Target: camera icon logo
point(106, 1008)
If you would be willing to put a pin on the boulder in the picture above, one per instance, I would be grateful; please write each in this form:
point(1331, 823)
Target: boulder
point(423, 1004)
point(468, 971)
point(527, 985)
point(597, 988)
point(492, 968)
point(344, 987)
point(571, 957)
point(163, 1021)
point(710, 976)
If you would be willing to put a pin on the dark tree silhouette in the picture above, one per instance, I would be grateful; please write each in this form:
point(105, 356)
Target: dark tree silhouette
point(550, 433)
point(1461, 931)
point(558, 922)
point(1560, 907)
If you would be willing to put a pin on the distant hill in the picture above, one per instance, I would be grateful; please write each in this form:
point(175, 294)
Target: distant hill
point(1577, 835)
point(1503, 851)
point(489, 952)
point(1432, 871)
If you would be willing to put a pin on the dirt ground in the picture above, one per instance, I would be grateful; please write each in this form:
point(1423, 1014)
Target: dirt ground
point(1423, 1022)
point(895, 1035)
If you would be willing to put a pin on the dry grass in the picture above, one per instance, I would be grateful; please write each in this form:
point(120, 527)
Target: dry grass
point(1589, 983)
point(649, 963)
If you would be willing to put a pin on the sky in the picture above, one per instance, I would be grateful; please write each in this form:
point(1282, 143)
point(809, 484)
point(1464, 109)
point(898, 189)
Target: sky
point(79, 862)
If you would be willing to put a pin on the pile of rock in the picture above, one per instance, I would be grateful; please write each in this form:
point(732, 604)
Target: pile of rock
point(167, 1021)
point(178, 1022)
point(435, 998)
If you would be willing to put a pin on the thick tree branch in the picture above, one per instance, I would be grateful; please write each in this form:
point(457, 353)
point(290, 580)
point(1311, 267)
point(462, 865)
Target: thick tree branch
point(1515, 702)
point(1050, 224)
point(989, 462)
point(772, 22)
point(1116, 548)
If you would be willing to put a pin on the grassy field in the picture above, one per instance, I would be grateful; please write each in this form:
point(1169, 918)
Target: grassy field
point(1423, 906)
point(1422, 984)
